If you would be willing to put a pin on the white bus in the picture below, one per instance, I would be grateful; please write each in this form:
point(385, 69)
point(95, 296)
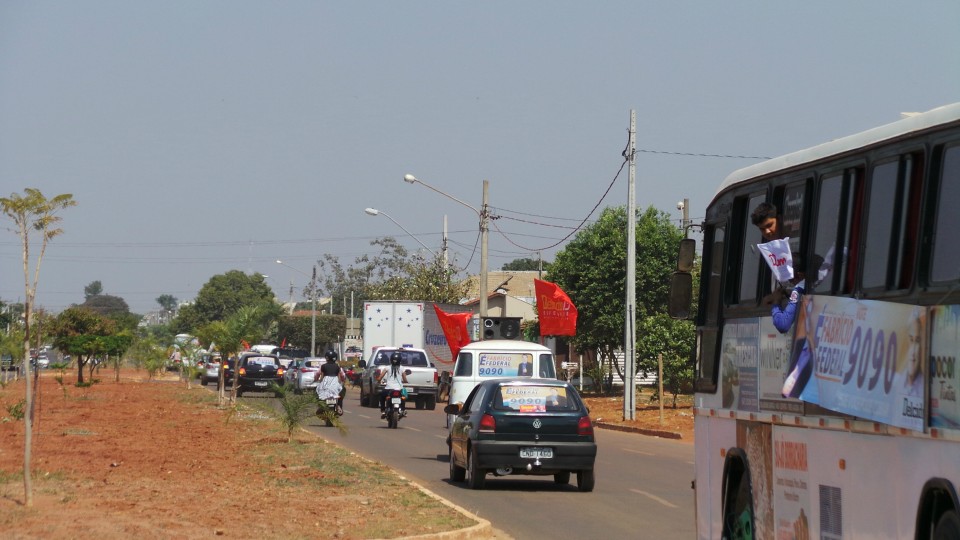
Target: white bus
point(867, 450)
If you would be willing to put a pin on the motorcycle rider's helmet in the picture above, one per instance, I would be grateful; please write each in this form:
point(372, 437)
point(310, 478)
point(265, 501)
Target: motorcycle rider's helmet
point(395, 358)
point(331, 356)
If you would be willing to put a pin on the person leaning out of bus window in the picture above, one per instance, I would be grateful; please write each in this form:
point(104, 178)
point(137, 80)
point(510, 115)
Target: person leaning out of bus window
point(783, 314)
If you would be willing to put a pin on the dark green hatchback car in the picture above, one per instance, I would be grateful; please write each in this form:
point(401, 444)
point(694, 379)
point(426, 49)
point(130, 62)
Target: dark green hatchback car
point(522, 426)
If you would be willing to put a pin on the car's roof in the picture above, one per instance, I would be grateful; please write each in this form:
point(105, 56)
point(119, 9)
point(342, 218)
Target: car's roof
point(505, 345)
point(524, 381)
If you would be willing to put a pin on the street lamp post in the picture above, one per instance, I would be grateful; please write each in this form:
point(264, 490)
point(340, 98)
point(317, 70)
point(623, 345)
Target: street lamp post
point(484, 215)
point(313, 305)
point(375, 212)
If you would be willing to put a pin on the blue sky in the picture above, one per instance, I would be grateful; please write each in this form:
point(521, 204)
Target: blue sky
point(203, 136)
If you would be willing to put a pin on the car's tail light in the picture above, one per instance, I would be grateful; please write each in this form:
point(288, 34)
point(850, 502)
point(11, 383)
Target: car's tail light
point(488, 424)
point(243, 371)
point(584, 426)
point(280, 371)
point(436, 378)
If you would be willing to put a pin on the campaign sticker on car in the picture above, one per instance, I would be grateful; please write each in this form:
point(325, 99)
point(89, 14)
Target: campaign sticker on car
point(536, 452)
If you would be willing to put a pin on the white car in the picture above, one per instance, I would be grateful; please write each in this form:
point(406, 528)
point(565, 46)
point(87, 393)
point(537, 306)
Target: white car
point(301, 372)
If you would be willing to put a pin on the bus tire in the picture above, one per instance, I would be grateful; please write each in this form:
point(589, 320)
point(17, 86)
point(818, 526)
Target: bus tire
point(738, 518)
point(948, 526)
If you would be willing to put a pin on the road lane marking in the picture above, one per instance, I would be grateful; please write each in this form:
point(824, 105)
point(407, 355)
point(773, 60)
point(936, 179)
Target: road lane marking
point(654, 497)
point(637, 452)
point(413, 429)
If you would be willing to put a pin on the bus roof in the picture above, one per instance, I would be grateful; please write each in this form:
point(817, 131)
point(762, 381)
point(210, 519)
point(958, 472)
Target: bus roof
point(918, 122)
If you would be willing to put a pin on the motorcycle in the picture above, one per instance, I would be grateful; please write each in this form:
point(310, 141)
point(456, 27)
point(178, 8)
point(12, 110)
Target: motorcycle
point(331, 404)
point(393, 406)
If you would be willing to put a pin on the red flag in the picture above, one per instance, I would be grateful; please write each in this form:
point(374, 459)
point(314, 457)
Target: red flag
point(454, 329)
point(246, 346)
point(558, 315)
point(283, 343)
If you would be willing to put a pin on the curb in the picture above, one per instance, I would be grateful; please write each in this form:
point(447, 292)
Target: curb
point(482, 530)
point(641, 431)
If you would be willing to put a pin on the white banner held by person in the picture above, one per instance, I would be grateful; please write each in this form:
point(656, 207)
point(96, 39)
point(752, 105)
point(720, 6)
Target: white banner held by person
point(778, 257)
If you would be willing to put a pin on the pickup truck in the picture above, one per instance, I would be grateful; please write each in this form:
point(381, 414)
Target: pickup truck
point(422, 377)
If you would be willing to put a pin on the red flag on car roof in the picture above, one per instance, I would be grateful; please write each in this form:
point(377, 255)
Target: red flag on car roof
point(283, 343)
point(246, 346)
point(454, 329)
point(558, 315)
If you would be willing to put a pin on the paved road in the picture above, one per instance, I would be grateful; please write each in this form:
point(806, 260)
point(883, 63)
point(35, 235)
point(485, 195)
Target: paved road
point(643, 483)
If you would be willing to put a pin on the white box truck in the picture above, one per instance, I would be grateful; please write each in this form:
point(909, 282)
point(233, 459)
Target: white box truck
point(408, 324)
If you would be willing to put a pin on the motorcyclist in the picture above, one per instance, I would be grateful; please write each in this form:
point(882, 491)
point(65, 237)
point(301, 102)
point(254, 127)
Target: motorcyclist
point(393, 379)
point(331, 379)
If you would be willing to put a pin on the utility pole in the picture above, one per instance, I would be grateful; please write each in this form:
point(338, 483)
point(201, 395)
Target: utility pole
point(484, 230)
point(444, 252)
point(630, 332)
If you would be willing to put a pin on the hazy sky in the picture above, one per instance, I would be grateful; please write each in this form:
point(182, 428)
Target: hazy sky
point(203, 136)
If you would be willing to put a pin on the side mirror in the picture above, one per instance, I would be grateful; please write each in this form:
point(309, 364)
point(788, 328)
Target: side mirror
point(453, 408)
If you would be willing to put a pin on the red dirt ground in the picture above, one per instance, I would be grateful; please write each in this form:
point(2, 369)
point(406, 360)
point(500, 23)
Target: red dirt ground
point(150, 459)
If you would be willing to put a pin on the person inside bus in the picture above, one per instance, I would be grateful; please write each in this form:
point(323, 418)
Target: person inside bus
point(765, 218)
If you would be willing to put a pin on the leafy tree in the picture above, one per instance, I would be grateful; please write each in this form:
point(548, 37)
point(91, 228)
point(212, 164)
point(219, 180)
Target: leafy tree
point(659, 334)
point(167, 302)
point(298, 329)
point(393, 274)
point(526, 264)
point(221, 297)
point(592, 270)
point(82, 333)
point(32, 211)
point(106, 304)
point(93, 289)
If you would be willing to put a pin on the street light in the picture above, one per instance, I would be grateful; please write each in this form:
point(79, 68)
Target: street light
point(484, 215)
point(375, 212)
point(313, 309)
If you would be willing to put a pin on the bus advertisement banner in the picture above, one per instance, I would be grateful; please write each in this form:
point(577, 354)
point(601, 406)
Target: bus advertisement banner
point(739, 371)
point(867, 358)
point(774, 360)
point(944, 379)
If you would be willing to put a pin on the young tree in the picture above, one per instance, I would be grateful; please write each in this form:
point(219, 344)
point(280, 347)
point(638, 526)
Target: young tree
point(80, 332)
point(93, 289)
point(32, 211)
point(592, 270)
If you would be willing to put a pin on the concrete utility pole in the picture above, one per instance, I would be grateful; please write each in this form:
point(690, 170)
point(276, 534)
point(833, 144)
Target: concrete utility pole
point(630, 326)
point(484, 233)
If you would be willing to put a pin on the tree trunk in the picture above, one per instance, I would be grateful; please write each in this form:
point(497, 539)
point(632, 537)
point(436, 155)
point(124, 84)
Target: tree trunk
point(28, 418)
point(80, 365)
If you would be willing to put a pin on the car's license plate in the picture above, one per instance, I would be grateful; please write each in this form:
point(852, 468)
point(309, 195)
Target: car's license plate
point(260, 383)
point(536, 452)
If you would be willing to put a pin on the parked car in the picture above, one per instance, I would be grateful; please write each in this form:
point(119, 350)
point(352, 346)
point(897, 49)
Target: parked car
point(522, 426)
point(301, 372)
point(256, 372)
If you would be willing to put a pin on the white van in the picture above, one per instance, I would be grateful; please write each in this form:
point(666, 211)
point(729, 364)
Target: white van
point(497, 359)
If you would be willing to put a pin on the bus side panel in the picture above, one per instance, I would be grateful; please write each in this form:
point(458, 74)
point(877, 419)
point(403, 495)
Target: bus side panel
point(714, 436)
point(836, 484)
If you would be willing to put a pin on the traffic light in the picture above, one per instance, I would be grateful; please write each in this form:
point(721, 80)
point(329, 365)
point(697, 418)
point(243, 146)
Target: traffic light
point(501, 328)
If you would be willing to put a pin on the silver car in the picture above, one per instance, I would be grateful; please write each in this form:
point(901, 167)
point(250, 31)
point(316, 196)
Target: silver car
point(301, 373)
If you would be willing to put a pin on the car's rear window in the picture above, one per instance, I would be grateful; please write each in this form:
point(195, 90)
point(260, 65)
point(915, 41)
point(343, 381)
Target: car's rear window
point(261, 360)
point(534, 399)
point(313, 363)
point(407, 358)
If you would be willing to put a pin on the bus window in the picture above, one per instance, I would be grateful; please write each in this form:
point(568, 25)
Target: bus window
point(880, 219)
point(750, 263)
point(833, 232)
point(946, 256)
point(905, 249)
point(792, 215)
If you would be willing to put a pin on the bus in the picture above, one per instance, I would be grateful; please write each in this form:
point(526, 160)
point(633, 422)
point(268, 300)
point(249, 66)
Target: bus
point(870, 448)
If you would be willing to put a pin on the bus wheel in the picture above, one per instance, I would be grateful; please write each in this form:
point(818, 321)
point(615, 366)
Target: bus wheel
point(948, 526)
point(738, 507)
